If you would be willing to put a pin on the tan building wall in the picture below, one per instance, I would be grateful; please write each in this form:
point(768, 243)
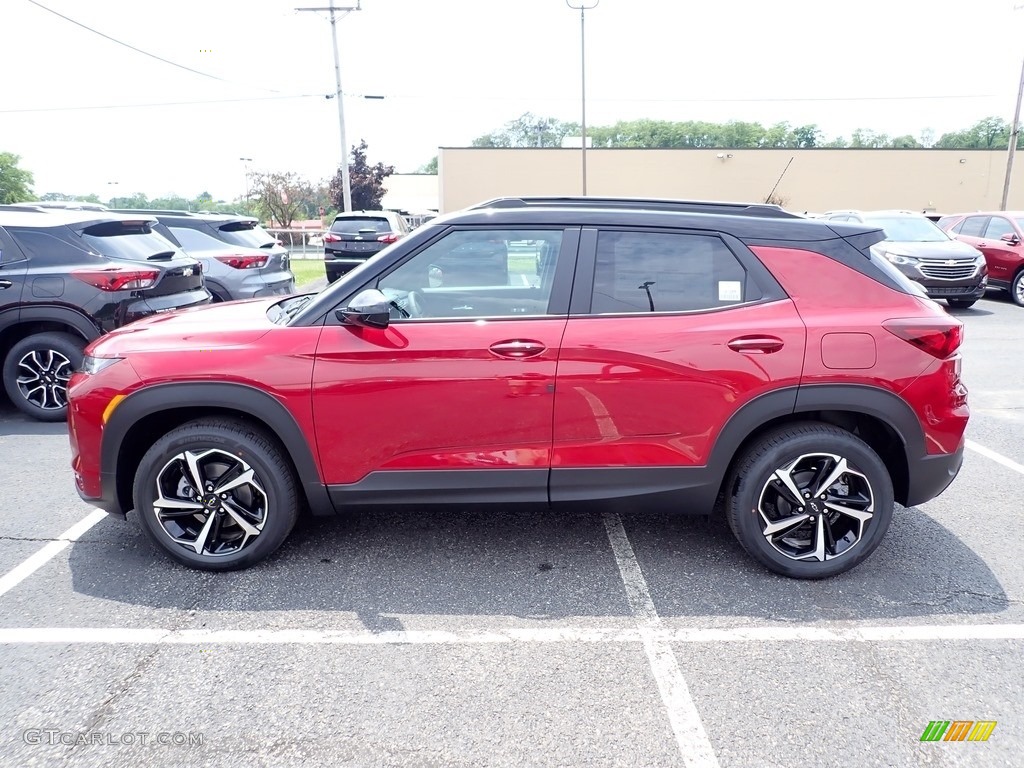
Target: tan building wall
point(946, 181)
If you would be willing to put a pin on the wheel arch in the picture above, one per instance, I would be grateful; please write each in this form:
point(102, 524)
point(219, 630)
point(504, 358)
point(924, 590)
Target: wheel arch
point(17, 325)
point(142, 417)
point(878, 417)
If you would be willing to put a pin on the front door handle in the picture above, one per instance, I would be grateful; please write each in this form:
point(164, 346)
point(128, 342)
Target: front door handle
point(5, 283)
point(756, 345)
point(517, 349)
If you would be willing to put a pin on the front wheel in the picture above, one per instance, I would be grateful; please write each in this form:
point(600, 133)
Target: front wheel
point(961, 303)
point(1017, 289)
point(809, 500)
point(216, 494)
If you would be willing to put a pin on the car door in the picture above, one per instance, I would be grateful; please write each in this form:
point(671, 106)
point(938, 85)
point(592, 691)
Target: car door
point(676, 333)
point(12, 279)
point(455, 395)
point(1002, 256)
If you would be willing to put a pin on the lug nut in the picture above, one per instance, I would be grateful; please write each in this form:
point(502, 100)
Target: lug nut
point(807, 494)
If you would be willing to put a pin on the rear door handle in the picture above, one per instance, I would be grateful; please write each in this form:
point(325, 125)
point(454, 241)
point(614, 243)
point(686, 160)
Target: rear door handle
point(517, 349)
point(756, 345)
point(5, 283)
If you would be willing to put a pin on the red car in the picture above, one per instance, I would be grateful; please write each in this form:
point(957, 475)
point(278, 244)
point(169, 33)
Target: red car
point(661, 355)
point(1000, 236)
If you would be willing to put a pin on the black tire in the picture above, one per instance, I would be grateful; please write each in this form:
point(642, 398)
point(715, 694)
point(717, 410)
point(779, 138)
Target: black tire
point(754, 485)
point(54, 357)
point(1017, 289)
point(961, 303)
point(226, 440)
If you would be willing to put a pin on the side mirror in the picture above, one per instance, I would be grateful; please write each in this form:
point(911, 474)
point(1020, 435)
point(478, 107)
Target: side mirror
point(369, 309)
point(1011, 238)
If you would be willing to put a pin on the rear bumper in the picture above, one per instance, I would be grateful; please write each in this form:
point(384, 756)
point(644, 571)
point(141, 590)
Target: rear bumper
point(930, 475)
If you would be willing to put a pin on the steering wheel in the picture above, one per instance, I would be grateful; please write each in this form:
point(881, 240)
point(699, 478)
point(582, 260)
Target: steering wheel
point(413, 305)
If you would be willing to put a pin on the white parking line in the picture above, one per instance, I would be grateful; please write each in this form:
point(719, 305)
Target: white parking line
point(34, 562)
point(997, 457)
point(694, 745)
point(542, 635)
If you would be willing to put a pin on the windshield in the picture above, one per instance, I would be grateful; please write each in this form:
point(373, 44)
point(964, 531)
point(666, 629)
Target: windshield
point(247, 233)
point(908, 229)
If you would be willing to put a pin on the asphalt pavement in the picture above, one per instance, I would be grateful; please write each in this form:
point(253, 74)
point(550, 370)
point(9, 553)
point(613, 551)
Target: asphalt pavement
point(514, 637)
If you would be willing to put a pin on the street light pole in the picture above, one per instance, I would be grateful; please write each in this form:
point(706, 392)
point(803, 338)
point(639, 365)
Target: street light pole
point(246, 161)
point(583, 7)
point(332, 9)
point(1013, 142)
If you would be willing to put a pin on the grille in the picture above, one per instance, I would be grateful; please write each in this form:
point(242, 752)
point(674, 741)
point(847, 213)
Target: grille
point(963, 291)
point(941, 269)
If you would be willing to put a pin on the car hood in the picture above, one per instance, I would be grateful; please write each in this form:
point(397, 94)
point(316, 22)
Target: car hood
point(949, 249)
point(231, 324)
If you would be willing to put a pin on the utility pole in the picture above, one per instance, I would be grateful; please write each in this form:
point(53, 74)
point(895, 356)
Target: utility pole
point(583, 7)
point(345, 11)
point(1013, 142)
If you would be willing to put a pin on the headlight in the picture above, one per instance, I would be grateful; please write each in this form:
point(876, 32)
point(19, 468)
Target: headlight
point(899, 258)
point(93, 365)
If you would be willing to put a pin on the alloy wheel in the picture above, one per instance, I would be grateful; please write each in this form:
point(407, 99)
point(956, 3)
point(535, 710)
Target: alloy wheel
point(816, 507)
point(210, 502)
point(43, 376)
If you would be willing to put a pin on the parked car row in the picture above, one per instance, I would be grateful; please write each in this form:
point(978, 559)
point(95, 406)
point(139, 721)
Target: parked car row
point(69, 274)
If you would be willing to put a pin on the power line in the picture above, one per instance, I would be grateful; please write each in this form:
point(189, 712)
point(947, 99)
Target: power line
point(159, 104)
point(146, 53)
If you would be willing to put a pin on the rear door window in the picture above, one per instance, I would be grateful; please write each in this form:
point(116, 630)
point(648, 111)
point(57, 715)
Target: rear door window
point(973, 226)
point(640, 272)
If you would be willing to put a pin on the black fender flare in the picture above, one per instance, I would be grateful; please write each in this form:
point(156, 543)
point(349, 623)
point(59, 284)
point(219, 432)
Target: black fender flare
point(230, 396)
point(81, 324)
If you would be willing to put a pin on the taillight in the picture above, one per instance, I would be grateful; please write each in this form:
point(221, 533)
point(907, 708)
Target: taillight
point(118, 278)
point(329, 238)
point(389, 238)
point(939, 338)
point(243, 262)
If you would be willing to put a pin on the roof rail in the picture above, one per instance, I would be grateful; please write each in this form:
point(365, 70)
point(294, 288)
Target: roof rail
point(165, 211)
point(691, 206)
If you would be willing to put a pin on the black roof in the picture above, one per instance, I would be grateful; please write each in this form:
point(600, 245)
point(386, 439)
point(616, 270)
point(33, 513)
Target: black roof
point(200, 215)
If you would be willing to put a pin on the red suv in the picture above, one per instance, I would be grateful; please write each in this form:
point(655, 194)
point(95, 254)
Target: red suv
point(662, 355)
point(999, 235)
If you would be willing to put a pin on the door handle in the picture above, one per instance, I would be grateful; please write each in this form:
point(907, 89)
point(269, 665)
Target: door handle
point(756, 345)
point(517, 349)
point(5, 283)
point(983, 245)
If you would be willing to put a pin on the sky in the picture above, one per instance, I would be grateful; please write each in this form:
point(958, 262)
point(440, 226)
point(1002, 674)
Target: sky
point(88, 115)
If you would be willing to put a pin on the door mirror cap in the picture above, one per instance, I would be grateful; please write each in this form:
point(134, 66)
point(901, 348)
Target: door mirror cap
point(1011, 238)
point(369, 309)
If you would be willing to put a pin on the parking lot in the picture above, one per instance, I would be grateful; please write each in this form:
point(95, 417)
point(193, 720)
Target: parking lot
point(519, 637)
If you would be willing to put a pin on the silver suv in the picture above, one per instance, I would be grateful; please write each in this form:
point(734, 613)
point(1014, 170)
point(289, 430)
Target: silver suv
point(945, 268)
point(355, 236)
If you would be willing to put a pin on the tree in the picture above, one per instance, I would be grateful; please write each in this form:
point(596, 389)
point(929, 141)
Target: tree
point(366, 181)
point(528, 130)
point(15, 182)
point(988, 133)
point(280, 196)
point(429, 167)
point(138, 200)
point(90, 198)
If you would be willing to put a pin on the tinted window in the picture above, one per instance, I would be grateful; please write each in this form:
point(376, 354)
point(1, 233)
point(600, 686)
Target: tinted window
point(8, 250)
point(973, 226)
point(194, 240)
point(353, 225)
point(657, 272)
point(997, 227)
point(247, 233)
point(478, 273)
point(124, 240)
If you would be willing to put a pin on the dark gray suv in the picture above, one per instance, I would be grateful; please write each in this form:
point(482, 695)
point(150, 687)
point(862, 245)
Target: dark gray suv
point(945, 268)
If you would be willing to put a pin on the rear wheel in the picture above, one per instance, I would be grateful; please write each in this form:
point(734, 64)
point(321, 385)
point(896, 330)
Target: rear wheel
point(810, 501)
point(36, 374)
point(961, 303)
point(1017, 289)
point(216, 494)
